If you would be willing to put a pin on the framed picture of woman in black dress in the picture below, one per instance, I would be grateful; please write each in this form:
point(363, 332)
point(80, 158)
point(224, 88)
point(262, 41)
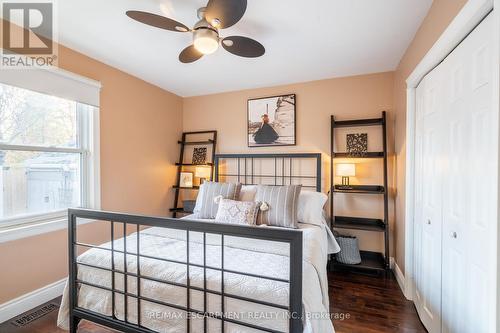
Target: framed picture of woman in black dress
point(271, 121)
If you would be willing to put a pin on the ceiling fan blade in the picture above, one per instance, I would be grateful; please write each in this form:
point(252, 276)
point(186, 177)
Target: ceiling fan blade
point(227, 12)
point(243, 46)
point(157, 21)
point(190, 54)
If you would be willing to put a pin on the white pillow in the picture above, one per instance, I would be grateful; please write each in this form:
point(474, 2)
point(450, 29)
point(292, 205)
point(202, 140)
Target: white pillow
point(247, 193)
point(199, 200)
point(310, 207)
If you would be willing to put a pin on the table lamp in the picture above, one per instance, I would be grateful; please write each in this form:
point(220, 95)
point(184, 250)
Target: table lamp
point(203, 173)
point(346, 170)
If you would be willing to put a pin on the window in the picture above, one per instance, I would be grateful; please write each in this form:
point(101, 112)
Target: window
point(45, 155)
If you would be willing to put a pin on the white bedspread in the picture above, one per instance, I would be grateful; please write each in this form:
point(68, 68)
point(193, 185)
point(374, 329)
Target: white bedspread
point(240, 254)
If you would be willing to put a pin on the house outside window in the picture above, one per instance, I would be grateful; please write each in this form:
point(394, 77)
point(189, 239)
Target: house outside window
point(47, 155)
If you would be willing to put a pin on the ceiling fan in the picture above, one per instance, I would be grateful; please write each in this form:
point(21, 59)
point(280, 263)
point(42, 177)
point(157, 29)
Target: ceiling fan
point(218, 14)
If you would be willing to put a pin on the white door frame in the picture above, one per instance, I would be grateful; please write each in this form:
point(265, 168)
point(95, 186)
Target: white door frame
point(469, 17)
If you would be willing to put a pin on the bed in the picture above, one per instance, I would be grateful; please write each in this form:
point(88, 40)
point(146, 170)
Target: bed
point(241, 278)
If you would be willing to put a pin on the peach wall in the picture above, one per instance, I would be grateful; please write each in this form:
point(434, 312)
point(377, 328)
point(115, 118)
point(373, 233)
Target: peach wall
point(140, 125)
point(440, 15)
point(346, 98)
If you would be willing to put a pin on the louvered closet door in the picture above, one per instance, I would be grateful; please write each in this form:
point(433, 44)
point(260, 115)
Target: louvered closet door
point(428, 218)
point(455, 207)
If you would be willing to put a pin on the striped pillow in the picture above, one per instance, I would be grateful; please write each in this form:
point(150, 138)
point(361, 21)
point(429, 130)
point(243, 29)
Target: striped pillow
point(206, 208)
point(282, 202)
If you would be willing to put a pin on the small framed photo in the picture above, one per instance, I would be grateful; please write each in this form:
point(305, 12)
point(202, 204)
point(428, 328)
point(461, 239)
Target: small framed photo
point(186, 179)
point(271, 121)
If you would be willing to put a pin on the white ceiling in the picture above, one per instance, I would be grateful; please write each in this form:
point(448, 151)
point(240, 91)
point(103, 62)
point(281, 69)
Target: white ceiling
point(304, 39)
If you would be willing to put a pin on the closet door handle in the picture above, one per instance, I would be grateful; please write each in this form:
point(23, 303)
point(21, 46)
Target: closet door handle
point(428, 221)
point(454, 234)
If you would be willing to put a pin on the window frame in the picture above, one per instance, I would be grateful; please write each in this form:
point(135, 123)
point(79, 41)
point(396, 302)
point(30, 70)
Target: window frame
point(88, 142)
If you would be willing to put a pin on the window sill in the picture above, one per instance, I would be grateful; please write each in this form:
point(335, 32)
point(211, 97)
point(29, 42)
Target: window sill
point(33, 228)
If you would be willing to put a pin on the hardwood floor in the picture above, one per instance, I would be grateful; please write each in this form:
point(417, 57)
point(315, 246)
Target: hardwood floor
point(359, 304)
point(372, 304)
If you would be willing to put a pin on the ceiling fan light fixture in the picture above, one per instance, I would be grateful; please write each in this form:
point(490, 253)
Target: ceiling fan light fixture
point(206, 41)
point(218, 14)
point(215, 22)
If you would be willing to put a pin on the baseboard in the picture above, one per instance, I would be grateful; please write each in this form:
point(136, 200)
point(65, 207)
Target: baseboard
point(399, 275)
point(30, 300)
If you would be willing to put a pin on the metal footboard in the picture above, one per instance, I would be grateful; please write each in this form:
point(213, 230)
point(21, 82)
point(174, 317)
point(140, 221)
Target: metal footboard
point(289, 236)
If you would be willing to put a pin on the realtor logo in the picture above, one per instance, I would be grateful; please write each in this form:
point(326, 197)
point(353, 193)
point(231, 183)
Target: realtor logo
point(28, 34)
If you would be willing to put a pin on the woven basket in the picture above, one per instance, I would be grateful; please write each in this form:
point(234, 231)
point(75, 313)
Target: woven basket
point(349, 250)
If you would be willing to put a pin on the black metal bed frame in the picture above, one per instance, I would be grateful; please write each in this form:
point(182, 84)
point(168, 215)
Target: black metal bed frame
point(290, 236)
point(246, 175)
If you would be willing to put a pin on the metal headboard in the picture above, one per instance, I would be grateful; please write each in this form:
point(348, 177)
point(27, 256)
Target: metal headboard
point(283, 173)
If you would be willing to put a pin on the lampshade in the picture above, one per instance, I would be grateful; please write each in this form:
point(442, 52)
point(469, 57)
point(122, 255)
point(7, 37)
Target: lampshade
point(203, 172)
point(346, 169)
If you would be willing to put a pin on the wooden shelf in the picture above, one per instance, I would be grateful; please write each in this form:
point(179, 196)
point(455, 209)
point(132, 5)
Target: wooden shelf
point(358, 122)
point(209, 139)
point(191, 164)
point(209, 142)
point(370, 154)
point(358, 192)
point(179, 210)
point(358, 223)
point(370, 261)
point(362, 189)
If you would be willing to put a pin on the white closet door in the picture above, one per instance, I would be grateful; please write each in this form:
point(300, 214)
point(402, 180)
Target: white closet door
point(418, 296)
point(468, 196)
point(428, 219)
point(456, 190)
point(455, 186)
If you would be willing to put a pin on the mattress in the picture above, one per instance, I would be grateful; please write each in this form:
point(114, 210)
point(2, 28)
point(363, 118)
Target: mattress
point(241, 254)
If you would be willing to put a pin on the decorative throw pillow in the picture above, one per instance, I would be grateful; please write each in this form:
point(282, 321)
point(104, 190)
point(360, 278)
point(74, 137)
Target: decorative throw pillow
point(281, 202)
point(205, 207)
point(239, 212)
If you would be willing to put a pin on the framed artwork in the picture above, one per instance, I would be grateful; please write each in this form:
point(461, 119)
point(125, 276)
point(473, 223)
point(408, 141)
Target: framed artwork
point(271, 121)
point(186, 179)
point(200, 155)
point(357, 143)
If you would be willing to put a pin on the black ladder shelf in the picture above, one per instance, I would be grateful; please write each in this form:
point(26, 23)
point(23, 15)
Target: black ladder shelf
point(370, 261)
point(211, 141)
